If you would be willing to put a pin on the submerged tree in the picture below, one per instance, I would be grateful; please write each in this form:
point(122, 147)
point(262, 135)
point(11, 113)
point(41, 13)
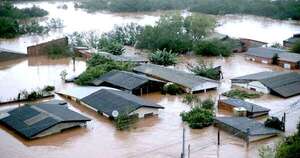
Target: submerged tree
point(163, 57)
point(275, 59)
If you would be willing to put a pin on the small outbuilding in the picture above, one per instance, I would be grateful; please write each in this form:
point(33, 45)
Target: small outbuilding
point(111, 103)
point(137, 84)
point(245, 128)
point(284, 84)
point(42, 119)
point(189, 81)
point(285, 59)
point(253, 110)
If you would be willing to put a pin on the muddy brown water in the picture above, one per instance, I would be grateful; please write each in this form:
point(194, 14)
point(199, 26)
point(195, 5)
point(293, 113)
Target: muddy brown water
point(151, 137)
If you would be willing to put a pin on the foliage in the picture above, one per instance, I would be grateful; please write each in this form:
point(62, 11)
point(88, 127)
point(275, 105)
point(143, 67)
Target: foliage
point(241, 94)
point(198, 117)
point(58, 50)
point(277, 45)
point(172, 88)
point(63, 74)
point(206, 70)
point(208, 104)
point(296, 47)
point(48, 88)
point(274, 122)
point(163, 57)
point(55, 23)
point(275, 59)
point(190, 98)
point(35, 94)
point(8, 27)
point(33, 27)
point(125, 121)
point(109, 45)
point(99, 65)
point(266, 152)
point(212, 48)
point(9, 11)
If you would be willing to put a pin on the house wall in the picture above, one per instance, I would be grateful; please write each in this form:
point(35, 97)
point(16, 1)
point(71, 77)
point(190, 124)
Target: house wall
point(59, 127)
point(144, 111)
point(224, 106)
point(258, 87)
point(40, 49)
point(269, 61)
point(292, 65)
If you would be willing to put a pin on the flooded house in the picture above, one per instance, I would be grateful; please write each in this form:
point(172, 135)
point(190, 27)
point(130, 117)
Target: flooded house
point(265, 55)
point(292, 40)
point(128, 81)
point(245, 128)
point(284, 84)
point(6, 55)
point(191, 83)
point(41, 48)
point(42, 119)
point(252, 110)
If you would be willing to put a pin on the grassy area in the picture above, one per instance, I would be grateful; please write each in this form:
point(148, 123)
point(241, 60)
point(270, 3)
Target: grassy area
point(241, 94)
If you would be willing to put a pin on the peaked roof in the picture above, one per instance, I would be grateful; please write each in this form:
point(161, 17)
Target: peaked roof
point(242, 123)
point(30, 120)
point(123, 79)
point(247, 105)
point(108, 100)
point(285, 84)
point(270, 52)
point(185, 79)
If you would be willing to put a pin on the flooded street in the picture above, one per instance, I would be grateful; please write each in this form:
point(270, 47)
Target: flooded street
point(154, 137)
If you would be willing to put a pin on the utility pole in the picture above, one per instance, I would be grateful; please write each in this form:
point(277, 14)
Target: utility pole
point(189, 151)
point(218, 137)
point(183, 143)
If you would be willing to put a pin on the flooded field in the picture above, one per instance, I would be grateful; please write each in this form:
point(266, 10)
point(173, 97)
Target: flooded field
point(152, 137)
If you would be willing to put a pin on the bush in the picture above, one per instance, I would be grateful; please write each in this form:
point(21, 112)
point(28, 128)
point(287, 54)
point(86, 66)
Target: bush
point(208, 104)
point(8, 10)
point(172, 88)
point(8, 27)
point(275, 59)
point(190, 98)
point(163, 58)
point(110, 45)
point(206, 71)
point(212, 48)
point(198, 117)
point(296, 47)
point(49, 88)
point(58, 50)
point(274, 122)
point(241, 94)
point(125, 121)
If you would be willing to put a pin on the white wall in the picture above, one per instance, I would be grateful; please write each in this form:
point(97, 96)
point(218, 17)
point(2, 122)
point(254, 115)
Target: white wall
point(145, 110)
point(258, 86)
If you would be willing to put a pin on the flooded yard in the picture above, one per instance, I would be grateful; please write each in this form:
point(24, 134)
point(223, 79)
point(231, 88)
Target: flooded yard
point(152, 137)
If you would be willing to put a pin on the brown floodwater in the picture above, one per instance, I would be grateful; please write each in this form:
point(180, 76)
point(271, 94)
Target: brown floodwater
point(151, 137)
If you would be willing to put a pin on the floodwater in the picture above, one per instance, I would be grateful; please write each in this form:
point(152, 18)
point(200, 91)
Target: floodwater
point(151, 137)
point(244, 26)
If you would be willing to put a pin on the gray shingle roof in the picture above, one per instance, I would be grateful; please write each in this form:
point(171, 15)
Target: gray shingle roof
point(242, 123)
point(247, 105)
point(256, 76)
point(108, 100)
point(185, 79)
point(123, 79)
point(123, 58)
point(30, 120)
point(270, 52)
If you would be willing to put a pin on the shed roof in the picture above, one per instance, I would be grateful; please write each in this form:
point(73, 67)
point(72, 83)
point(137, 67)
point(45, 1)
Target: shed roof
point(185, 79)
point(270, 52)
point(108, 100)
point(30, 120)
point(247, 105)
point(243, 123)
point(256, 76)
point(124, 79)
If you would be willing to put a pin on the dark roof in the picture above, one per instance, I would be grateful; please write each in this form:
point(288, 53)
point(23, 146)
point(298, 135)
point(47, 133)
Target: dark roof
point(286, 85)
point(242, 123)
point(270, 52)
point(247, 105)
point(123, 79)
point(108, 100)
point(256, 76)
point(30, 120)
point(294, 39)
point(185, 79)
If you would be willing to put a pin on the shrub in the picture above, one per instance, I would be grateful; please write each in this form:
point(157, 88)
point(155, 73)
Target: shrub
point(275, 59)
point(296, 47)
point(208, 104)
point(274, 122)
point(172, 88)
point(206, 71)
point(48, 88)
point(241, 94)
point(198, 117)
point(125, 121)
point(58, 50)
point(8, 27)
point(111, 46)
point(163, 57)
point(190, 98)
point(212, 48)
point(55, 23)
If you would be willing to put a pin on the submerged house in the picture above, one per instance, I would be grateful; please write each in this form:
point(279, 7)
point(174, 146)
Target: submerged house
point(253, 110)
point(111, 102)
point(42, 119)
point(284, 84)
point(245, 128)
point(128, 81)
point(190, 82)
point(292, 40)
point(265, 55)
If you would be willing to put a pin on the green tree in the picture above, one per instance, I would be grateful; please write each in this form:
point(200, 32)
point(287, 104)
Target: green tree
point(212, 48)
point(198, 117)
point(163, 57)
point(296, 47)
point(275, 59)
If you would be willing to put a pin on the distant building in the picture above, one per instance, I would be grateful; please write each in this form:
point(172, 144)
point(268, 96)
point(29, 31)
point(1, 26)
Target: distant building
point(265, 55)
point(41, 48)
point(128, 81)
point(253, 110)
point(284, 84)
point(245, 128)
point(190, 82)
point(42, 119)
point(292, 40)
